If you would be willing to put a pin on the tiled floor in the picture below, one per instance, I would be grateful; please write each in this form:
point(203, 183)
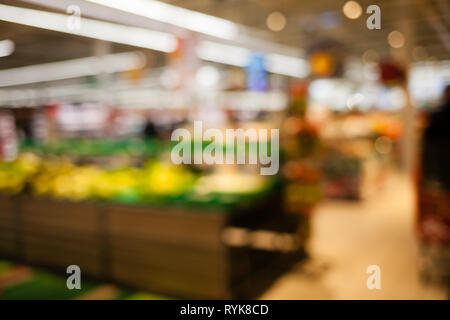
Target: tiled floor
point(350, 236)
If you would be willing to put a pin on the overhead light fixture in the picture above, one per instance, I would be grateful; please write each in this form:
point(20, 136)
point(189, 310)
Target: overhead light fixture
point(352, 9)
point(180, 17)
point(287, 65)
point(396, 39)
point(276, 21)
point(6, 48)
point(70, 69)
point(239, 56)
point(223, 53)
point(133, 36)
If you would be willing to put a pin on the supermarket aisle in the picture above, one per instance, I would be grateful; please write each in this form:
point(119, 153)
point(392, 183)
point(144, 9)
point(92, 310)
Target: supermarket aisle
point(347, 238)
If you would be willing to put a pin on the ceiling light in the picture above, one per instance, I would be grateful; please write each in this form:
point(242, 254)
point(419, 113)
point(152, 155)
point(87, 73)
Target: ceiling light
point(6, 48)
point(70, 69)
point(223, 53)
point(396, 39)
point(180, 17)
point(287, 65)
point(133, 36)
point(276, 21)
point(352, 9)
point(239, 56)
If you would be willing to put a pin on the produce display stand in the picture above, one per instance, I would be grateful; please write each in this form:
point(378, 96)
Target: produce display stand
point(175, 250)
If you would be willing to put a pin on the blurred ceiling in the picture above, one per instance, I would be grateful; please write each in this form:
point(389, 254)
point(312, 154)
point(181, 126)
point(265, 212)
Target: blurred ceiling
point(426, 23)
point(310, 20)
point(36, 46)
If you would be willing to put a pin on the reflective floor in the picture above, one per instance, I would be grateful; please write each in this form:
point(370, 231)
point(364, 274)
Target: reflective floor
point(350, 236)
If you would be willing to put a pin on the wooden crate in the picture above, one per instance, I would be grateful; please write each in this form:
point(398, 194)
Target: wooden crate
point(59, 234)
point(179, 252)
point(174, 251)
point(167, 225)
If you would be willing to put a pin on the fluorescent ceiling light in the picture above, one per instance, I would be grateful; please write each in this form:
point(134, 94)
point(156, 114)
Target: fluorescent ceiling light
point(6, 48)
point(69, 69)
point(223, 53)
point(240, 57)
point(287, 65)
point(133, 36)
point(180, 17)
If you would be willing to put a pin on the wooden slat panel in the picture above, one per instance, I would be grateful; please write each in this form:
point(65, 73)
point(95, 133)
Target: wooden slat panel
point(170, 283)
point(76, 216)
point(183, 260)
point(7, 208)
point(8, 242)
point(62, 258)
point(88, 247)
point(167, 226)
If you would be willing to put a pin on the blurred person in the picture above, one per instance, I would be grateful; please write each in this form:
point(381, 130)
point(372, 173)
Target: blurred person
point(438, 128)
point(436, 155)
point(434, 195)
point(150, 131)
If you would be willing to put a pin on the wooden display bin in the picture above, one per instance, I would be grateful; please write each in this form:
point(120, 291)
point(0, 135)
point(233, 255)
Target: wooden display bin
point(59, 234)
point(175, 251)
